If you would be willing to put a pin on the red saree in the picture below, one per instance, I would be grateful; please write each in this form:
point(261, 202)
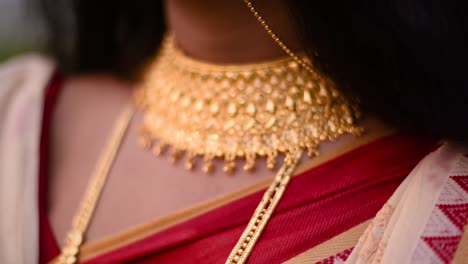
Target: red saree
point(318, 205)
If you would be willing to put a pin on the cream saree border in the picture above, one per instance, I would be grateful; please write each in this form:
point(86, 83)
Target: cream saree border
point(126, 237)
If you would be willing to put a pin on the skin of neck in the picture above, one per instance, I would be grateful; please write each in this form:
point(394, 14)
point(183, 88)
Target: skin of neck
point(224, 32)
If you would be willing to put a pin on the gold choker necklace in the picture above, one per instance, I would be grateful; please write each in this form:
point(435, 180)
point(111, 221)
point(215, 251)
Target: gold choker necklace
point(238, 111)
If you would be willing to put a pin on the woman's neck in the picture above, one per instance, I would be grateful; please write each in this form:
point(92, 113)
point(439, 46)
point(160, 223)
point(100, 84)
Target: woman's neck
point(226, 32)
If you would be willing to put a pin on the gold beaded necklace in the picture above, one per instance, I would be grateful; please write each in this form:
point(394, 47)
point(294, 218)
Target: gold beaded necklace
point(229, 112)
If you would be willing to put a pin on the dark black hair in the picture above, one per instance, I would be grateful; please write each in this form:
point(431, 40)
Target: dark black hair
point(405, 60)
point(116, 36)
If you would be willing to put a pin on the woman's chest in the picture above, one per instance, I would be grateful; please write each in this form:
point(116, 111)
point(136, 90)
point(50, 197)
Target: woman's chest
point(139, 187)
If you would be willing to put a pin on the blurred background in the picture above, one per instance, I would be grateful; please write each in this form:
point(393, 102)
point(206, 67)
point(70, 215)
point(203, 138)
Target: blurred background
point(20, 28)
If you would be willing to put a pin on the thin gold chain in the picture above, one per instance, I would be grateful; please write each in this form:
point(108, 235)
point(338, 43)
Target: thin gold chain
point(262, 214)
point(75, 236)
point(278, 41)
point(275, 191)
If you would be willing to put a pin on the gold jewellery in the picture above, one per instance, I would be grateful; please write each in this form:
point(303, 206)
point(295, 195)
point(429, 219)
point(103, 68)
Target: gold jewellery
point(227, 112)
point(238, 111)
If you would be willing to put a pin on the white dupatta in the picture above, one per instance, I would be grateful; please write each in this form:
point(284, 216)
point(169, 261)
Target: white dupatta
point(22, 82)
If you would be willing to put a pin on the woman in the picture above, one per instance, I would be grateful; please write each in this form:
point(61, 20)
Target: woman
point(376, 102)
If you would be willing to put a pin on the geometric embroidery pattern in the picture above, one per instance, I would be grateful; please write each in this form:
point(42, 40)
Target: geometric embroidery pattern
point(444, 247)
point(443, 231)
point(462, 181)
point(457, 213)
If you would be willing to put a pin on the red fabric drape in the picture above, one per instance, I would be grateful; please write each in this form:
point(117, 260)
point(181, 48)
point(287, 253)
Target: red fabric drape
point(48, 247)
